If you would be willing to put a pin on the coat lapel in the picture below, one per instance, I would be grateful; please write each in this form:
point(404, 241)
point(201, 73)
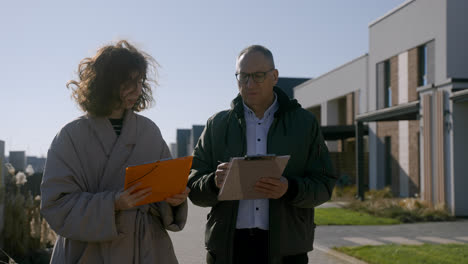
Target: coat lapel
point(117, 149)
point(104, 132)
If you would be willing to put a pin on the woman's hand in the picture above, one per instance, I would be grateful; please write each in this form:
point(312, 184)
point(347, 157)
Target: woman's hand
point(178, 198)
point(126, 199)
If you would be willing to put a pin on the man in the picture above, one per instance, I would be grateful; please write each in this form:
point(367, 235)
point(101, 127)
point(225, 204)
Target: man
point(262, 120)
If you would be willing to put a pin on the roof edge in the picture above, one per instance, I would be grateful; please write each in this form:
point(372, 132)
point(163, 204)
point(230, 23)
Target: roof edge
point(460, 96)
point(306, 83)
point(391, 12)
point(389, 112)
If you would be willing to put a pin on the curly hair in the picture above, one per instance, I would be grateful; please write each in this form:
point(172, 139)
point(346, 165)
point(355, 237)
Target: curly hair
point(97, 91)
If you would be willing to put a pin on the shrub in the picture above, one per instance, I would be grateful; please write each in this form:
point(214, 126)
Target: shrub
point(407, 210)
point(25, 231)
point(379, 194)
point(341, 193)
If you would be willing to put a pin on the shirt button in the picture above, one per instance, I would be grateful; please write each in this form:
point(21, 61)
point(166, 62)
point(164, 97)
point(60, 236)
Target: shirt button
point(258, 139)
point(259, 123)
point(256, 208)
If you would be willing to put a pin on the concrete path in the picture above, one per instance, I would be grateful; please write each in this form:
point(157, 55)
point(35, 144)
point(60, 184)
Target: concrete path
point(189, 243)
point(410, 234)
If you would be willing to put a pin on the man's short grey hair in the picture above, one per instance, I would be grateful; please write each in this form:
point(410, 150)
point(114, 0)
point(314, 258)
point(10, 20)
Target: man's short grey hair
point(258, 48)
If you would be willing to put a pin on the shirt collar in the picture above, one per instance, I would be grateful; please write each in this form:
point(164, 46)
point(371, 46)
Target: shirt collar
point(270, 111)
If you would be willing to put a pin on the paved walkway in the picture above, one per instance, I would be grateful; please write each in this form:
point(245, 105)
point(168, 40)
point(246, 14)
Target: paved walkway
point(408, 234)
point(189, 243)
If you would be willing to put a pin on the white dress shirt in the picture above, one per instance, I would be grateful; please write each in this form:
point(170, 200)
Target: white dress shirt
point(254, 213)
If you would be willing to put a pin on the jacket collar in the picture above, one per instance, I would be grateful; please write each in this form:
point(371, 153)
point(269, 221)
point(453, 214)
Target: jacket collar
point(285, 104)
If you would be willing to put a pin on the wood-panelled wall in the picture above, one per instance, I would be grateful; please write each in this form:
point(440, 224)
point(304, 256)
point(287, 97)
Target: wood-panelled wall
point(440, 168)
point(427, 133)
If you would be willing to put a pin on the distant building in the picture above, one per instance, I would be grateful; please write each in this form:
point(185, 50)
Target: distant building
point(183, 138)
point(173, 149)
point(195, 134)
point(287, 84)
point(18, 160)
point(37, 163)
point(186, 141)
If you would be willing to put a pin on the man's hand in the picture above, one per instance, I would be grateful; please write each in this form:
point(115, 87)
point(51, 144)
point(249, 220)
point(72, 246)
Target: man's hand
point(178, 199)
point(126, 199)
point(220, 174)
point(273, 188)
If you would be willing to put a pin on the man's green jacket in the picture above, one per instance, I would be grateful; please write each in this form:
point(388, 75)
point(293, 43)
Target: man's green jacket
point(294, 132)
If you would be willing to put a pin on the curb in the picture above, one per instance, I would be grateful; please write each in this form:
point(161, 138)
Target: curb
point(339, 255)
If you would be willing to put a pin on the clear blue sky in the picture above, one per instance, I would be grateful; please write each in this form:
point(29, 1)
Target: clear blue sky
point(195, 42)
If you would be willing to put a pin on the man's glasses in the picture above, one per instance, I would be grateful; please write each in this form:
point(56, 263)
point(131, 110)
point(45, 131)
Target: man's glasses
point(258, 77)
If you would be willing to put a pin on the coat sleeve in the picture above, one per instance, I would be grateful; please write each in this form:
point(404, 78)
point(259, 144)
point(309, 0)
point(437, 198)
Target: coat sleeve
point(316, 185)
point(70, 210)
point(203, 190)
point(172, 218)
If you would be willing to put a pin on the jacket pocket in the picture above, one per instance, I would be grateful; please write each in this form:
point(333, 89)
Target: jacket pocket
point(299, 222)
point(217, 230)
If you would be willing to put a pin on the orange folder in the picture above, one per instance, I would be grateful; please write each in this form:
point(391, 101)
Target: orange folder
point(166, 178)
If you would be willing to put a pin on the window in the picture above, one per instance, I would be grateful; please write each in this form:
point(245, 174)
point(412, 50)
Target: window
point(422, 65)
point(387, 84)
point(384, 84)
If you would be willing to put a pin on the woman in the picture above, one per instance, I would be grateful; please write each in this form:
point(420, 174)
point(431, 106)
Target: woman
point(82, 188)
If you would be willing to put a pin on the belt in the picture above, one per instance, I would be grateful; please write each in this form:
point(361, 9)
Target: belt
point(252, 232)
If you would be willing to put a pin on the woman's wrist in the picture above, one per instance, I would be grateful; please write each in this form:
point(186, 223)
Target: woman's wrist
point(116, 204)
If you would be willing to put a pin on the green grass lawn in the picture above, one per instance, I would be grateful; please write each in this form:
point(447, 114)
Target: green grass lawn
point(405, 254)
point(340, 216)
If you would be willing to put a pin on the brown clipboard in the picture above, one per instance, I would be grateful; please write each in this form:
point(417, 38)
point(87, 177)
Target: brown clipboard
point(165, 177)
point(244, 172)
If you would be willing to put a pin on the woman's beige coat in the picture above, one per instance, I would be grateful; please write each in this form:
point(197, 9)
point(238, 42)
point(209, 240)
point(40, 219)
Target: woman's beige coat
point(85, 169)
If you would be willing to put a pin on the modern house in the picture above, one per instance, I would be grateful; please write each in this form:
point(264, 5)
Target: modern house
point(334, 99)
point(411, 91)
point(287, 84)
